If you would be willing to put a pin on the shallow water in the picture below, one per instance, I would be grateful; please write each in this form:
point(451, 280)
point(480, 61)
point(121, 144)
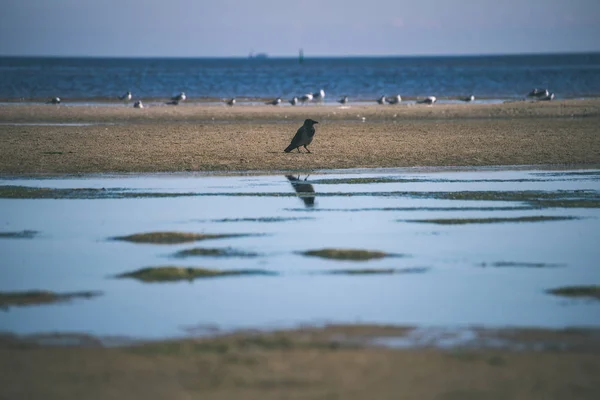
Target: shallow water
point(491, 274)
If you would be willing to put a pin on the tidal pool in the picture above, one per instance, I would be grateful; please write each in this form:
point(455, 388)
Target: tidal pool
point(450, 274)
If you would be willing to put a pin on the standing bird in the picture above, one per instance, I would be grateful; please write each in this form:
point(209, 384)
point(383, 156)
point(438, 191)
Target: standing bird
point(303, 137)
point(138, 104)
point(54, 100)
point(303, 188)
point(468, 98)
point(274, 102)
point(538, 93)
point(180, 97)
point(427, 100)
point(343, 101)
point(548, 98)
point(294, 101)
point(319, 96)
point(306, 98)
point(230, 102)
point(382, 100)
point(126, 97)
point(396, 99)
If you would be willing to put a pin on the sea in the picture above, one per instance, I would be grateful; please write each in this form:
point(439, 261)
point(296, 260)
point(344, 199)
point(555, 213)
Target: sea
point(256, 79)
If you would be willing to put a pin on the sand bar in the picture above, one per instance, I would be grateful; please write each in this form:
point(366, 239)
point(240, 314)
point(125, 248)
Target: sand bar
point(47, 139)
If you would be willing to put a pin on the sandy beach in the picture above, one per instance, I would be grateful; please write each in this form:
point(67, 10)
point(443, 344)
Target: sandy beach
point(48, 139)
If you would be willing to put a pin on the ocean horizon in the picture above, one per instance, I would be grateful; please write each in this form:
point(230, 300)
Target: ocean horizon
point(491, 77)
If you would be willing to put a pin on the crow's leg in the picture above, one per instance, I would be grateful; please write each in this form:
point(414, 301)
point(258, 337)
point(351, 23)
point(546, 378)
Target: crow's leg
point(307, 149)
point(298, 148)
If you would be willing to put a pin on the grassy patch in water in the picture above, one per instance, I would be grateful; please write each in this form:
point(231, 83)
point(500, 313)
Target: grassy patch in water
point(173, 273)
point(514, 264)
point(464, 221)
point(35, 297)
point(26, 234)
point(378, 271)
point(214, 252)
point(592, 291)
point(348, 254)
point(173, 237)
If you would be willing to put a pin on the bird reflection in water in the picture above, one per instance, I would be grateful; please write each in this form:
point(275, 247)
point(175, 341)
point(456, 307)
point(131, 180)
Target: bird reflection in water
point(301, 187)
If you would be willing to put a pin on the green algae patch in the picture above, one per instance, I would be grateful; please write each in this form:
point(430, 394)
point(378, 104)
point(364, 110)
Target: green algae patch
point(592, 291)
point(26, 234)
point(214, 252)
point(465, 221)
point(378, 271)
point(173, 237)
point(36, 297)
point(348, 254)
point(172, 273)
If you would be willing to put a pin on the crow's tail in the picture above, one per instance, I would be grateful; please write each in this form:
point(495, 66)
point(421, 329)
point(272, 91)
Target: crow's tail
point(289, 148)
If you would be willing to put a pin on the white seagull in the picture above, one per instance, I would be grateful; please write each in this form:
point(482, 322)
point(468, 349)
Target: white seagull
point(274, 102)
point(54, 100)
point(307, 97)
point(180, 97)
point(468, 98)
point(294, 101)
point(138, 104)
point(126, 97)
point(427, 100)
point(343, 101)
point(539, 93)
point(319, 96)
point(382, 100)
point(548, 98)
point(230, 102)
point(395, 100)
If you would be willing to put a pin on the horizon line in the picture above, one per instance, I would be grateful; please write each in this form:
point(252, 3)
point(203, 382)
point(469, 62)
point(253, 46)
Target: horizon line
point(267, 56)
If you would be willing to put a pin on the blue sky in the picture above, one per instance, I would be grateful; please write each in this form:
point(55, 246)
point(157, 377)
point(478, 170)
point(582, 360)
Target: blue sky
point(206, 28)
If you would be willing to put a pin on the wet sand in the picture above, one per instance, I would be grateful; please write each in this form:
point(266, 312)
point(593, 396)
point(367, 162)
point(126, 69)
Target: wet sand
point(196, 137)
point(307, 363)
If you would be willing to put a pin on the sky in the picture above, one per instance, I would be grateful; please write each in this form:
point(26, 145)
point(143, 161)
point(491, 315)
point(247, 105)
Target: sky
point(226, 28)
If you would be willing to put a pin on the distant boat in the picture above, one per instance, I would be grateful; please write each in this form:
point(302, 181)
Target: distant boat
point(261, 56)
point(427, 100)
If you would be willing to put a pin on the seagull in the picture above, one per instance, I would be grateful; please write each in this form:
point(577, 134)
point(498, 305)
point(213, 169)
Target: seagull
point(54, 100)
point(382, 100)
point(395, 100)
point(306, 97)
point(126, 97)
point(303, 136)
point(319, 96)
point(428, 100)
point(231, 102)
point(468, 98)
point(180, 97)
point(538, 93)
point(548, 98)
point(294, 101)
point(138, 104)
point(274, 102)
point(343, 100)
